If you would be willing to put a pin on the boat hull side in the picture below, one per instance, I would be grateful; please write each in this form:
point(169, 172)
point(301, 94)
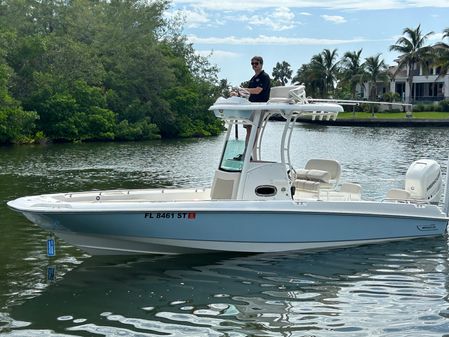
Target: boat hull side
point(238, 231)
point(109, 245)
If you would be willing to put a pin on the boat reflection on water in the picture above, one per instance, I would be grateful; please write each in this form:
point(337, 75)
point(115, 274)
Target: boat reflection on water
point(369, 290)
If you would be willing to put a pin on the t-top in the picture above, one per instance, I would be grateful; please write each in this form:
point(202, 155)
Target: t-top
point(261, 80)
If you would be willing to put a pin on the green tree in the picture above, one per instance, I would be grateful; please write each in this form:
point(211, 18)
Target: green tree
point(25, 59)
point(413, 51)
point(224, 88)
point(307, 76)
point(282, 73)
point(391, 97)
point(190, 97)
point(352, 70)
point(317, 72)
point(102, 70)
point(445, 33)
point(140, 130)
point(68, 61)
point(441, 51)
point(376, 71)
point(16, 124)
point(324, 69)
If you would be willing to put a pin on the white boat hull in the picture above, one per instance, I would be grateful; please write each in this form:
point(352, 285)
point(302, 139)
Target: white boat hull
point(178, 227)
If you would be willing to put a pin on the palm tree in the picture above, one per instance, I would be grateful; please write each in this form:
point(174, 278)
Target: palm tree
point(376, 71)
point(282, 73)
point(223, 88)
point(442, 55)
point(305, 75)
point(352, 70)
point(445, 33)
point(413, 51)
point(324, 68)
point(317, 74)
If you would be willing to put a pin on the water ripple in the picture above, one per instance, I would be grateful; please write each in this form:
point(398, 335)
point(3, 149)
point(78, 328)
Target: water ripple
point(382, 290)
point(397, 289)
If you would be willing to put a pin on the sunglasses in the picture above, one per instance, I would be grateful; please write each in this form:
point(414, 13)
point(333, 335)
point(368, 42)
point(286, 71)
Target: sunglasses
point(254, 63)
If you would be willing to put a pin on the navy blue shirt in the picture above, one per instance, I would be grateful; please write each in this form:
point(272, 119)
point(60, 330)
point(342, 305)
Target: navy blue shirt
point(261, 80)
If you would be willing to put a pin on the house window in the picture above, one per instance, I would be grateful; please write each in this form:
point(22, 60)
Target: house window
point(400, 88)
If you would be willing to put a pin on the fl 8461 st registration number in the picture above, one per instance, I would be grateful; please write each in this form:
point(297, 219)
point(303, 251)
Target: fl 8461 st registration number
point(170, 215)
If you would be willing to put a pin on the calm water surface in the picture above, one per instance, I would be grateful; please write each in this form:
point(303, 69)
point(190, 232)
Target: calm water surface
point(396, 289)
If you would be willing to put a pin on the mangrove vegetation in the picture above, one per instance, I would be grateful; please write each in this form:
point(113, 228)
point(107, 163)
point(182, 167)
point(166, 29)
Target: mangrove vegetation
point(86, 70)
point(102, 70)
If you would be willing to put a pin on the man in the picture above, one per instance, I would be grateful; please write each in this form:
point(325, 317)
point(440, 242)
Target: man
point(259, 84)
point(259, 89)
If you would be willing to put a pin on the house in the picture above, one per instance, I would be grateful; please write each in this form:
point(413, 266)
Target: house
point(428, 84)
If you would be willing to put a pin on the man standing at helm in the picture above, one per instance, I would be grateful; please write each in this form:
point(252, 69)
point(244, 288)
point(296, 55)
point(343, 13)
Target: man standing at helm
point(259, 84)
point(258, 87)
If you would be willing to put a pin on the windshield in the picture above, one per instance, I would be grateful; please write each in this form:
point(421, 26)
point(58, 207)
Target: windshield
point(233, 155)
point(234, 151)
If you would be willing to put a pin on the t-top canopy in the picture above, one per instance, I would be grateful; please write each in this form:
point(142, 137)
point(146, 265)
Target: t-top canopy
point(237, 108)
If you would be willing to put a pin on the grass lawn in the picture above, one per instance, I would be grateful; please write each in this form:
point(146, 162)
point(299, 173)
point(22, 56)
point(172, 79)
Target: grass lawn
point(394, 115)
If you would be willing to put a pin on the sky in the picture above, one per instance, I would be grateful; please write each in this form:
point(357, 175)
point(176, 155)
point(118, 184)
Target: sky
point(232, 32)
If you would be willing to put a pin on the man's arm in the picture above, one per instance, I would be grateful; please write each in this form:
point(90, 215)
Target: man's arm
point(255, 91)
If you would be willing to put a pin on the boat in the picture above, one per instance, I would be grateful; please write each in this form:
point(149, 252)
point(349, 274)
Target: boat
point(254, 205)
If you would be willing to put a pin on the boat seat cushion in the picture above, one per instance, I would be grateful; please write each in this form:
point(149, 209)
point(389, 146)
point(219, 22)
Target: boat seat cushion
point(351, 188)
point(307, 185)
point(313, 175)
point(288, 94)
point(328, 165)
point(398, 194)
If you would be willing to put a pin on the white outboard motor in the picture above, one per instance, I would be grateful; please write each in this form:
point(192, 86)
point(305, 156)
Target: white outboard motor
point(423, 181)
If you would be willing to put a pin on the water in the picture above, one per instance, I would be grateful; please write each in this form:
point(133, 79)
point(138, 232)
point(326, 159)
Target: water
point(395, 289)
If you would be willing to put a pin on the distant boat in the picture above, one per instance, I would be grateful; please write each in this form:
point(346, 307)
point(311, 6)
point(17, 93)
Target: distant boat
point(253, 205)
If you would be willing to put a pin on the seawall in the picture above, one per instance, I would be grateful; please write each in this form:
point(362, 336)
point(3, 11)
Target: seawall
point(381, 122)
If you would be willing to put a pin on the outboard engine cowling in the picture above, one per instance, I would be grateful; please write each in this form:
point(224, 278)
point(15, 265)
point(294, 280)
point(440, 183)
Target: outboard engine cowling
point(423, 180)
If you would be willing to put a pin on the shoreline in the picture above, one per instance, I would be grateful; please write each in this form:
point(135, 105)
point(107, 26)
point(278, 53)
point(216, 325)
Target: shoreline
point(380, 122)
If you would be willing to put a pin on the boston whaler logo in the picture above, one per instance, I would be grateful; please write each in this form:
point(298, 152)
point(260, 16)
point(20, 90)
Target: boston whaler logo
point(170, 215)
point(429, 227)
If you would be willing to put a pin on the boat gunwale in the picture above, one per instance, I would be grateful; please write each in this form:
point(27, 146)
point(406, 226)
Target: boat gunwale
point(67, 211)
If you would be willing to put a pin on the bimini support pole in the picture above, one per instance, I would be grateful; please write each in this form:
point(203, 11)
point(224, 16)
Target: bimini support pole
point(446, 190)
